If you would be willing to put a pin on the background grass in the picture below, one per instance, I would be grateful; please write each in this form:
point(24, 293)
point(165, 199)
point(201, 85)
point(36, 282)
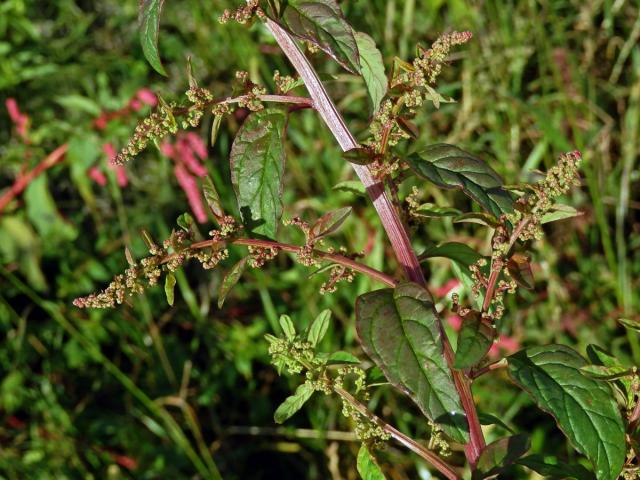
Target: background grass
point(149, 391)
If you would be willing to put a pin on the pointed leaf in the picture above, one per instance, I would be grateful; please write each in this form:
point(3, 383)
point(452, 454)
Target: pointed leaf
point(488, 419)
point(458, 252)
point(400, 331)
point(257, 169)
point(293, 403)
point(329, 223)
point(321, 22)
point(169, 286)
point(149, 26)
point(630, 324)
point(342, 358)
point(287, 327)
point(431, 210)
point(230, 279)
point(552, 468)
point(215, 128)
point(212, 197)
point(599, 356)
point(451, 167)
point(372, 69)
point(584, 409)
point(520, 270)
point(352, 186)
point(500, 454)
point(368, 468)
point(560, 212)
point(600, 372)
point(478, 218)
point(474, 341)
point(319, 327)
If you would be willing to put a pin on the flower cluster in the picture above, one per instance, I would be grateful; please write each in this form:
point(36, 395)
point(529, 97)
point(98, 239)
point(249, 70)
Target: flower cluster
point(152, 129)
point(283, 83)
point(169, 257)
point(258, 256)
point(244, 14)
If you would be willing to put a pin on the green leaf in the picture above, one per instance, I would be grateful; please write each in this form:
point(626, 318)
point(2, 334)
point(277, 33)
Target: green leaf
point(560, 212)
point(329, 223)
point(75, 103)
point(500, 454)
point(630, 324)
point(550, 467)
point(520, 270)
point(293, 403)
point(372, 69)
point(257, 169)
point(321, 22)
point(352, 186)
point(400, 331)
point(458, 252)
point(169, 286)
point(149, 26)
point(342, 358)
point(319, 327)
point(187, 223)
point(368, 468)
point(478, 218)
point(230, 279)
point(212, 197)
point(451, 167)
point(488, 419)
point(600, 372)
point(287, 327)
point(599, 356)
point(474, 341)
point(584, 409)
point(215, 128)
point(431, 210)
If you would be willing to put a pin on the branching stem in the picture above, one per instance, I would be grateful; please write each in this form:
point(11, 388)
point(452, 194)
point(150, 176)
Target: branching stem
point(443, 467)
point(389, 217)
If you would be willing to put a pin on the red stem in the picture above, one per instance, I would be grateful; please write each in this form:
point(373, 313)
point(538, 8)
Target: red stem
point(23, 181)
point(396, 232)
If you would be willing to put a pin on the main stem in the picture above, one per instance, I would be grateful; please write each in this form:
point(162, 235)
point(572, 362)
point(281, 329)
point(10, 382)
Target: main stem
point(389, 217)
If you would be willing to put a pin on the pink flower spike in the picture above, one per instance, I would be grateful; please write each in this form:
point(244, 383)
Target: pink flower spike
point(452, 284)
point(455, 321)
point(147, 97)
point(135, 104)
point(97, 176)
point(121, 175)
point(20, 119)
point(197, 145)
point(167, 150)
point(190, 187)
point(110, 151)
point(185, 154)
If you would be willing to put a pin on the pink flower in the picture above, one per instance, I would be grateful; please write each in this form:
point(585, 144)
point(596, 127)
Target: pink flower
point(197, 145)
point(190, 187)
point(135, 104)
point(504, 345)
point(446, 288)
point(455, 321)
point(20, 119)
point(97, 176)
point(147, 97)
point(121, 173)
point(185, 151)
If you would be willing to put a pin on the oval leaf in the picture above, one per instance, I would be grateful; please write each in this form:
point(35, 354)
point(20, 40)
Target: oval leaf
point(319, 327)
point(559, 212)
point(169, 286)
point(474, 341)
point(149, 26)
point(400, 331)
point(500, 454)
point(520, 270)
point(456, 251)
point(329, 223)
point(451, 167)
point(287, 327)
point(321, 22)
point(368, 468)
point(342, 358)
point(212, 197)
point(552, 468)
point(257, 168)
point(293, 403)
point(584, 409)
point(230, 279)
point(372, 69)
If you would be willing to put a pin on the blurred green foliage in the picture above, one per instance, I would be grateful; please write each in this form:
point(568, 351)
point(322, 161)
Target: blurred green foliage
point(152, 391)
